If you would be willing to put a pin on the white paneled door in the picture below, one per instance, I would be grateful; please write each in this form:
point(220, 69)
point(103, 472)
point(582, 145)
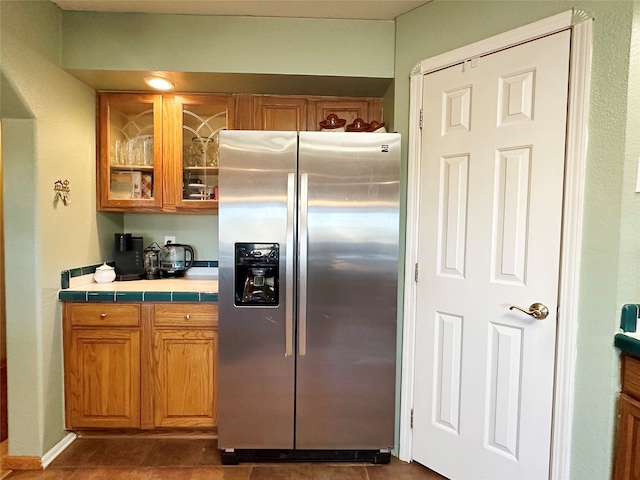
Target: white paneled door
point(491, 187)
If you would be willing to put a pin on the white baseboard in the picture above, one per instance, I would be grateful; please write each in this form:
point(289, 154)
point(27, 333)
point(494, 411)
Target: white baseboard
point(58, 448)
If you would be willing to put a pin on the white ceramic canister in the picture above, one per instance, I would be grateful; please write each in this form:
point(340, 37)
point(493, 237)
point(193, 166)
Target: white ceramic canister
point(104, 274)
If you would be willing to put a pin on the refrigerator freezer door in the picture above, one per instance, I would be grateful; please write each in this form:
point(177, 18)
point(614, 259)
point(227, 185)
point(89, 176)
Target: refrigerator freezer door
point(345, 383)
point(256, 376)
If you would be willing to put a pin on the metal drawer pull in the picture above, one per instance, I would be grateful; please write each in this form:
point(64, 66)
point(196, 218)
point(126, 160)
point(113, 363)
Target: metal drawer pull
point(536, 310)
point(187, 316)
point(103, 315)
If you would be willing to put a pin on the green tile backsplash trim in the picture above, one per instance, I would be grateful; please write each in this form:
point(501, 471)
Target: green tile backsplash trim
point(629, 317)
point(205, 263)
point(65, 278)
point(67, 275)
point(157, 297)
point(627, 344)
point(76, 296)
point(129, 296)
point(185, 297)
point(628, 323)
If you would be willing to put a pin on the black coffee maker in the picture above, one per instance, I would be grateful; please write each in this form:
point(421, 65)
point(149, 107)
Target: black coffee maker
point(129, 257)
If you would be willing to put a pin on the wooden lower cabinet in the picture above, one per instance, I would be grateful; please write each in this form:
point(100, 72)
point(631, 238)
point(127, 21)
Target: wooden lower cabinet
point(103, 379)
point(185, 353)
point(627, 463)
point(140, 365)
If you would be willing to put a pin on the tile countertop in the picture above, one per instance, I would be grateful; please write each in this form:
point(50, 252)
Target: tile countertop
point(199, 286)
point(629, 339)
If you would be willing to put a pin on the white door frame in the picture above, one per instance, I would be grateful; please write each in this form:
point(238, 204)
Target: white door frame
point(580, 25)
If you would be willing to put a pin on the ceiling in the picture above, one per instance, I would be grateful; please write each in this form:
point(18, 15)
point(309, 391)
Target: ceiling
point(345, 9)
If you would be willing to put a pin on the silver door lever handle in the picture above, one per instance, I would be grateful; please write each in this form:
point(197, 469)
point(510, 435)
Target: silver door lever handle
point(538, 311)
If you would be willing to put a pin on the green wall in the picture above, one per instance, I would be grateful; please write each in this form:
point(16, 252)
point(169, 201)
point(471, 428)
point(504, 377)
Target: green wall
point(188, 43)
point(291, 46)
point(54, 138)
point(200, 231)
point(609, 266)
point(48, 135)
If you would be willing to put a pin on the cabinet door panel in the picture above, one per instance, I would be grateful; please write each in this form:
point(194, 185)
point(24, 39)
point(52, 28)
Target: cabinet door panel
point(105, 379)
point(192, 125)
point(185, 378)
point(627, 466)
point(130, 152)
point(280, 113)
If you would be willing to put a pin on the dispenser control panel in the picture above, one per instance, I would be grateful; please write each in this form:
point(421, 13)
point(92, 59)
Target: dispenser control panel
point(256, 274)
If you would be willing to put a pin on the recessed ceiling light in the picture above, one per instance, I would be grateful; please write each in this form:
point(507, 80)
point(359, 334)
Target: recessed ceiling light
point(159, 83)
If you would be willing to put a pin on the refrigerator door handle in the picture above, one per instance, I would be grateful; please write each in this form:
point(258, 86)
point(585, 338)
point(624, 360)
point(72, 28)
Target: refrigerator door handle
point(302, 302)
point(289, 264)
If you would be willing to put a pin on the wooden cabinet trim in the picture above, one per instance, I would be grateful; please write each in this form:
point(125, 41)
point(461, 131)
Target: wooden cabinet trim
point(627, 463)
point(146, 367)
point(631, 376)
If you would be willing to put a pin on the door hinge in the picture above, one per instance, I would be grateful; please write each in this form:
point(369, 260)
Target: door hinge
point(415, 273)
point(420, 119)
point(412, 418)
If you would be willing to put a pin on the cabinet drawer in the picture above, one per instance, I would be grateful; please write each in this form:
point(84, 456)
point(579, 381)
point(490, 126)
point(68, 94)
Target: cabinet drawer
point(186, 315)
point(631, 376)
point(94, 314)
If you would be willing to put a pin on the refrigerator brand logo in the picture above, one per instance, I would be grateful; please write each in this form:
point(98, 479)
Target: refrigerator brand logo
point(384, 148)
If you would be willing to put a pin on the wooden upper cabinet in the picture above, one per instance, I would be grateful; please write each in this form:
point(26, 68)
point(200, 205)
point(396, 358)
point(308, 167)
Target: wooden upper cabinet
point(280, 113)
point(158, 152)
point(301, 113)
point(368, 109)
point(192, 125)
point(130, 157)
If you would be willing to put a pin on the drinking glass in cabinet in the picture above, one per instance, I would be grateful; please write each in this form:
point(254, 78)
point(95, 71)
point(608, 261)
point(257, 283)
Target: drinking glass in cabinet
point(200, 127)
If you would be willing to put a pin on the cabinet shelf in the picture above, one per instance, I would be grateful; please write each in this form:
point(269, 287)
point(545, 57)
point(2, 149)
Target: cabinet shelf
point(132, 168)
point(202, 170)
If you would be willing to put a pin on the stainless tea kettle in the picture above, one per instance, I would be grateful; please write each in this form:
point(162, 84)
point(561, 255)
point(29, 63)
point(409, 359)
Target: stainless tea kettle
point(175, 259)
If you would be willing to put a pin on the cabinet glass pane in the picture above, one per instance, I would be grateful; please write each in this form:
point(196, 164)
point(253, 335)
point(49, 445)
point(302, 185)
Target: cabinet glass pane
point(200, 127)
point(131, 150)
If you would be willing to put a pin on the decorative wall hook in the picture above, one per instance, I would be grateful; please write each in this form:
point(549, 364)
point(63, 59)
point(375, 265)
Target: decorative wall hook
point(63, 192)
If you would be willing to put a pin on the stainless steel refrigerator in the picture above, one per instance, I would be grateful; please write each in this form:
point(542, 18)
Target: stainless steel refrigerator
point(308, 271)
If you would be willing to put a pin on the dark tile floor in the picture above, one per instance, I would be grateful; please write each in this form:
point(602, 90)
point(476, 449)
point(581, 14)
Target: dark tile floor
point(198, 459)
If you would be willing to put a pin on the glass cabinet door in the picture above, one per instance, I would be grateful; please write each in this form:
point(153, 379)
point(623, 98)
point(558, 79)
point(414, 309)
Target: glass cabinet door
point(201, 117)
point(130, 151)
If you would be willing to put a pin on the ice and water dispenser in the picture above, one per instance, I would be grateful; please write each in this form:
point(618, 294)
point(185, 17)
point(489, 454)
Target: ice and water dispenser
point(256, 274)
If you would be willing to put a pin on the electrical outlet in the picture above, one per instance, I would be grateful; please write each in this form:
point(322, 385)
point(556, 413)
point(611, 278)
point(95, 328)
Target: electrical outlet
point(169, 239)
